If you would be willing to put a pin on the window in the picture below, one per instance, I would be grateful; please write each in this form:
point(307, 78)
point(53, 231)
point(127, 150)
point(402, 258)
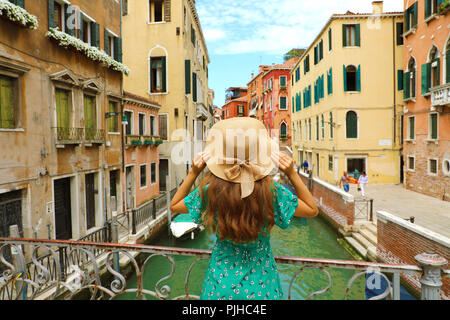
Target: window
point(283, 103)
point(409, 80)
point(330, 40)
point(411, 17)
point(317, 128)
point(143, 175)
point(141, 124)
point(90, 116)
point(411, 127)
point(431, 7)
point(330, 81)
point(129, 126)
point(7, 102)
point(399, 33)
point(351, 121)
point(433, 126)
point(158, 74)
point(306, 65)
point(152, 126)
point(352, 78)
point(309, 129)
point(283, 82)
point(431, 71)
point(331, 126)
point(153, 173)
point(187, 76)
point(58, 16)
point(163, 126)
point(240, 111)
point(411, 163)
point(114, 120)
point(283, 130)
point(351, 35)
point(193, 38)
point(330, 163)
point(156, 10)
point(323, 127)
point(432, 166)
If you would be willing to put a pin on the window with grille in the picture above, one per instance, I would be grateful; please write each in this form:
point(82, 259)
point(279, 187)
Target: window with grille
point(163, 126)
point(432, 166)
point(143, 175)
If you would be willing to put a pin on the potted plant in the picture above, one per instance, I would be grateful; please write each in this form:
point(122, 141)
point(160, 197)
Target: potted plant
point(444, 7)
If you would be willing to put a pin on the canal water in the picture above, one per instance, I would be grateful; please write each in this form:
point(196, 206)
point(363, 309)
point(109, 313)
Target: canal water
point(311, 238)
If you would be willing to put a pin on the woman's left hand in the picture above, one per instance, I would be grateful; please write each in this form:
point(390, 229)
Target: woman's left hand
point(199, 162)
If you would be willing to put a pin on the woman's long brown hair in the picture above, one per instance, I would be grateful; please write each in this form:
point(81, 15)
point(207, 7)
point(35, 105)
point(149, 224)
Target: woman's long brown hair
point(238, 220)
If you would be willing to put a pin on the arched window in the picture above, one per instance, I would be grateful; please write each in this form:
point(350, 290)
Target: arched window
point(352, 78)
point(409, 79)
point(283, 130)
point(158, 70)
point(431, 71)
point(351, 121)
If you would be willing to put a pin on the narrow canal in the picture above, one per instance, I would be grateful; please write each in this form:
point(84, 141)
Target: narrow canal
point(313, 238)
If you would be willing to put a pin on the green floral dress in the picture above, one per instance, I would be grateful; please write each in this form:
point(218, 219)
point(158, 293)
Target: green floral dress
point(245, 271)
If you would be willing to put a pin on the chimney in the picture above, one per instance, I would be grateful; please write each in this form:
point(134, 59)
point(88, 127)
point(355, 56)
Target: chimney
point(253, 75)
point(377, 7)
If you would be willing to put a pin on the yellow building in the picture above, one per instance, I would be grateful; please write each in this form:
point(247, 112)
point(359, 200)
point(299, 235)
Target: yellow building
point(164, 47)
point(347, 98)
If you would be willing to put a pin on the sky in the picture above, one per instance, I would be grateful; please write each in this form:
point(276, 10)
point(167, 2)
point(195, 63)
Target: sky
point(241, 35)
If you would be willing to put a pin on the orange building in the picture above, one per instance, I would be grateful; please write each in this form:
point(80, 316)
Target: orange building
point(276, 102)
point(141, 150)
point(426, 86)
point(236, 104)
point(256, 94)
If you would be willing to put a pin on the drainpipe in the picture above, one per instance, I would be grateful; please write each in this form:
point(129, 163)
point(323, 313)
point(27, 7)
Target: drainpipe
point(122, 114)
point(394, 36)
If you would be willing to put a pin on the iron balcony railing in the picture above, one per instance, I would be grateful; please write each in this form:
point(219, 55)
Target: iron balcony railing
point(69, 135)
point(37, 280)
point(94, 135)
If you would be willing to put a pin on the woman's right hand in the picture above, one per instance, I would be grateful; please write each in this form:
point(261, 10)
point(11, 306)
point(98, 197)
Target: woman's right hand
point(199, 162)
point(284, 162)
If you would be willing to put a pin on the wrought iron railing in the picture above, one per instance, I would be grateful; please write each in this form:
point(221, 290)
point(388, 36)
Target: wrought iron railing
point(69, 135)
point(32, 281)
point(93, 135)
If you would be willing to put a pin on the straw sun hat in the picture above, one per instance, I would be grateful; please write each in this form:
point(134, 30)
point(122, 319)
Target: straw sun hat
point(240, 152)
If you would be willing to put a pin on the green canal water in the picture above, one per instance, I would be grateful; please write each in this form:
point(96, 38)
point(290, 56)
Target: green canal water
point(313, 239)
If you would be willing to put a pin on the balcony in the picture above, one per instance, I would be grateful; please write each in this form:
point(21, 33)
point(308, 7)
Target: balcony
point(68, 136)
point(202, 112)
point(94, 136)
point(440, 97)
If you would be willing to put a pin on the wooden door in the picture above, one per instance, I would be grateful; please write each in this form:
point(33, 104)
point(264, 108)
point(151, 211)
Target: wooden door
point(90, 200)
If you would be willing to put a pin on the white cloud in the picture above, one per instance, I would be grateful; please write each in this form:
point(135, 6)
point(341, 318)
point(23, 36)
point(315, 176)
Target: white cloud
point(271, 27)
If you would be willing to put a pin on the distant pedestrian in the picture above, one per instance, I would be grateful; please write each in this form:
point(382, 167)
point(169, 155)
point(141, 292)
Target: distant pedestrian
point(305, 166)
point(363, 181)
point(343, 183)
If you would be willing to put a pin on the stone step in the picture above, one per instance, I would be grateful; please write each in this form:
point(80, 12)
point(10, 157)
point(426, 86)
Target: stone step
point(362, 240)
point(372, 228)
point(357, 246)
point(369, 236)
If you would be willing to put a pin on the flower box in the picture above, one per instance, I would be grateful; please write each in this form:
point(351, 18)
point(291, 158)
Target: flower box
point(17, 15)
point(136, 142)
point(444, 8)
point(158, 142)
point(65, 40)
point(148, 142)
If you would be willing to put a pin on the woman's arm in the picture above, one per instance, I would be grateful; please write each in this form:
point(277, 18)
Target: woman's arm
point(307, 207)
point(177, 204)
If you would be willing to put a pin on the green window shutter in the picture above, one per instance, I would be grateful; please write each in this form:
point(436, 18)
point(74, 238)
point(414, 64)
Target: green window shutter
point(321, 50)
point(406, 87)
point(331, 81)
point(358, 79)
point(70, 29)
point(7, 119)
point(407, 25)
point(51, 14)
point(427, 8)
point(352, 125)
point(164, 74)
point(358, 35)
point(345, 78)
point(447, 71)
point(194, 87)
point(81, 30)
point(434, 125)
point(399, 80)
point(95, 34)
point(426, 77)
point(293, 105)
point(106, 38)
point(118, 55)
point(62, 108)
point(90, 118)
point(330, 40)
point(412, 127)
point(344, 35)
point(187, 76)
point(282, 81)
point(415, 10)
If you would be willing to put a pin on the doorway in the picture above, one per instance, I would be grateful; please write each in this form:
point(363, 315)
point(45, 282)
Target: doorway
point(63, 209)
point(90, 200)
point(163, 174)
point(129, 177)
point(355, 166)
